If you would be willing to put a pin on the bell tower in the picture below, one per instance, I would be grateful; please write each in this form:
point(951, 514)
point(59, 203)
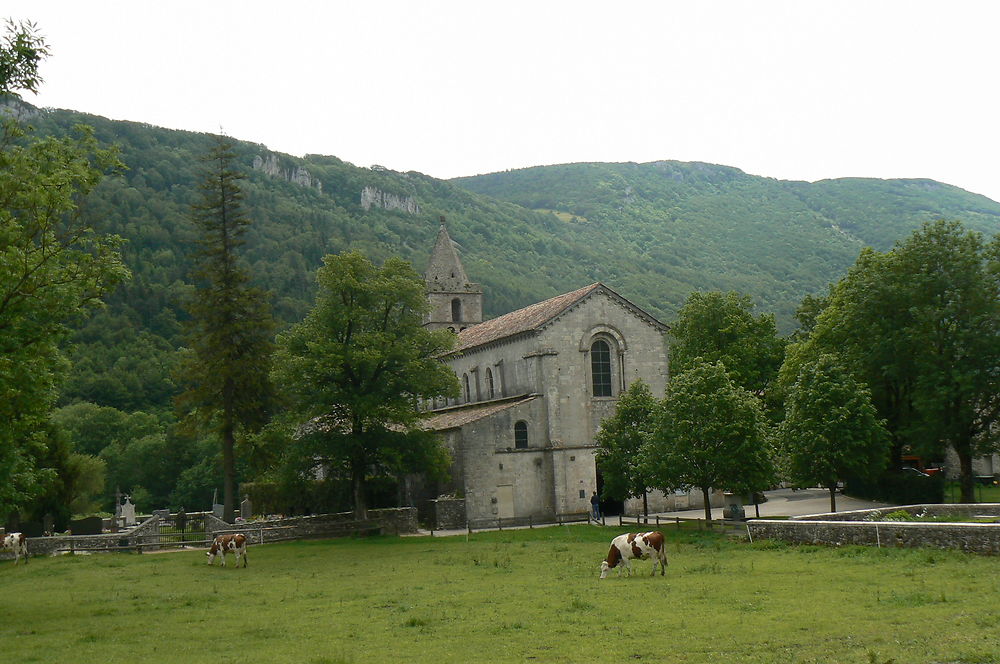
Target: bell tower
point(455, 302)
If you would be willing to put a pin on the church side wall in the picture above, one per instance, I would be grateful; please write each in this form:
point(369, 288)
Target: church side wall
point(513, 373)
point(501, 481)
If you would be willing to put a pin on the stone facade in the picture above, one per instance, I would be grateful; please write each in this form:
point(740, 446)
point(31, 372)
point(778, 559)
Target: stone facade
point(536, 384)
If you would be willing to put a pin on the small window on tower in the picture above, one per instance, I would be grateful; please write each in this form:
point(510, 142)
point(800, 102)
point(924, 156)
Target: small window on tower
point(456, 310)
point(521, 435)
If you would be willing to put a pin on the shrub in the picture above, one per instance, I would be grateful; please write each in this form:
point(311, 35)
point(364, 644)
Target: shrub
point(897, 487)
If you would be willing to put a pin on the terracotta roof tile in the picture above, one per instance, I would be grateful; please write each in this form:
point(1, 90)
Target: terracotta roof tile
point(454, 418)
point(523, 320)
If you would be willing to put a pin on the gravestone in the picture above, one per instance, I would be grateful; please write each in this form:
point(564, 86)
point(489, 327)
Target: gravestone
point(92, 525)
point(218, 510)
point(128, 512)
point(246, 509)
point(163, 514)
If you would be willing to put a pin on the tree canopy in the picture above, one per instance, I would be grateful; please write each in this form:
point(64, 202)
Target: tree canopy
point(831, 429)
point(621, 440)
point(722, 327)
point(355, 369)
point(710, 433)
point(54, 268)
point(920, 325)
point(227, 369)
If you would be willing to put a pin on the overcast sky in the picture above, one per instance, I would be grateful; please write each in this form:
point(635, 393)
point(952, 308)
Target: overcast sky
point(793, 90)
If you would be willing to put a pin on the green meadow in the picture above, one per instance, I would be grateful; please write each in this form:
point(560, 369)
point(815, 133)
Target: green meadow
point(511, 596)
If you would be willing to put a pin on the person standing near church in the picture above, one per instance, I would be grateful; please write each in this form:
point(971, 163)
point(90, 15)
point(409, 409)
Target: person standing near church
point(595, 506)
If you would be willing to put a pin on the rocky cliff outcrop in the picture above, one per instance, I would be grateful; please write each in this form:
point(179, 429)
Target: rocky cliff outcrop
point(375, 197)
point(300, 176)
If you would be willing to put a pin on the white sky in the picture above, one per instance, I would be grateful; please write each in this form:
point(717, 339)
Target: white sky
point(793, 90)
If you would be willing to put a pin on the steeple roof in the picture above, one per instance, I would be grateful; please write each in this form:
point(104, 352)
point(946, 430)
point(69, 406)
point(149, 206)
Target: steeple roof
point(444, 270)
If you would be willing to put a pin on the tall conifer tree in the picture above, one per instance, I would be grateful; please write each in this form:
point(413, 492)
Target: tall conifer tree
point(231, 328)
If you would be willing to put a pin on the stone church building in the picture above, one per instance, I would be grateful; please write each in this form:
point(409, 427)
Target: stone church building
point(535, 385)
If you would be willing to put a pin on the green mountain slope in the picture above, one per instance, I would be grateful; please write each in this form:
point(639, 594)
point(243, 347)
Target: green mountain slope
point(677, 227)
point(654, 232)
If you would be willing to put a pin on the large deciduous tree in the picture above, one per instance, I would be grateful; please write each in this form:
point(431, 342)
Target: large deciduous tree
point(831, 429)
point(54, 265)
point(620, 441)
point(230, 333)
point(920, 325)
point(355, 369)
point(709, 433)
point(722, 327)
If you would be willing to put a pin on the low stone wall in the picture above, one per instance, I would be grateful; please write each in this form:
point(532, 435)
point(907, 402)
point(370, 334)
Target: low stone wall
point(42, 546)
point(390, 521)
point(862, 527)
point(448, 513)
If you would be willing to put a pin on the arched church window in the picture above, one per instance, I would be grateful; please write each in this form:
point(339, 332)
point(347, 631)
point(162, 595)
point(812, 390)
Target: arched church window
point(521, 435)
point(489, 384)
point(465, 388)
point(600, 368)
point(456, 310)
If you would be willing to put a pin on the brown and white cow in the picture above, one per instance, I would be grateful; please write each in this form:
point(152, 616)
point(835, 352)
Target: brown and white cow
point(17, 543)
point(635, 545)
point(223, 544)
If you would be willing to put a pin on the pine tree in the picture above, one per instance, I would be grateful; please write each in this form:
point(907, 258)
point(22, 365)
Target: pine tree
point(231, 328)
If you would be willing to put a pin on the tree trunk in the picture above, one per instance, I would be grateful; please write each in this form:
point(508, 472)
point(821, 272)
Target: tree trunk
point(966, 480)
point(358, 489)
point(645, 506)
point(228, 474)
point(833, 497)
point(708, 503)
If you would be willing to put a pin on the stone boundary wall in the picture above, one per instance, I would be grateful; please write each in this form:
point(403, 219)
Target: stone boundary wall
point(930, 509)
point(390, 521)
point(40, 546)
point(448, 513)
point(859, 527)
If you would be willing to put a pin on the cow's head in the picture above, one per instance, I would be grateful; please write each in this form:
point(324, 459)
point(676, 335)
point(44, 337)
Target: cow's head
point(605, 568)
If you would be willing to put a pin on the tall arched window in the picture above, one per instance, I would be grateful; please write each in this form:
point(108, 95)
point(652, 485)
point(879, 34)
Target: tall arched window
point(489, 384)
point(521, 435)
point(456, 310)
point(465, 388)
point(600, 368)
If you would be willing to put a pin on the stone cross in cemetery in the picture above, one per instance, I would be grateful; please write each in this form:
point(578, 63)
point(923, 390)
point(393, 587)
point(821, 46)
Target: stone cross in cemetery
point(128, 511)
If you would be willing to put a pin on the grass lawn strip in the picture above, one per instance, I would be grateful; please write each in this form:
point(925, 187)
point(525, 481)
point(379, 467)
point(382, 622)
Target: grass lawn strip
point(510, 596)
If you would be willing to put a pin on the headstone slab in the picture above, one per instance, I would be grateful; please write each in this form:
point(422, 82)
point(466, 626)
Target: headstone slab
point(128, 512)
point(246, 509)
point(92, 525)
point(218, 510)
point(163, 514)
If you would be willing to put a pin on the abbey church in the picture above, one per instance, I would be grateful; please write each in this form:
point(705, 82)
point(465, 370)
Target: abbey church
point(535, 385)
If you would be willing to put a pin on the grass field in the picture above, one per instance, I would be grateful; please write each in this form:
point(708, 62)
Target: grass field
point(509, 596)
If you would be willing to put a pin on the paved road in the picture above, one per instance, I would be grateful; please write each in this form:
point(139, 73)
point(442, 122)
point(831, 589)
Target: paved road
point(780, 502)
point(786, 502)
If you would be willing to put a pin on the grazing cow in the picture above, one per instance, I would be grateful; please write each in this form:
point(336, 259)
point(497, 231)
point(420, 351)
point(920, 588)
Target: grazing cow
point(635, 545)
point(223, 544)
point(17, 543)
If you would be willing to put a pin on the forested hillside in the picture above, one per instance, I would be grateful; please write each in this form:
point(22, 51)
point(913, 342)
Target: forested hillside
point(654, 232)
point(671, 227)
